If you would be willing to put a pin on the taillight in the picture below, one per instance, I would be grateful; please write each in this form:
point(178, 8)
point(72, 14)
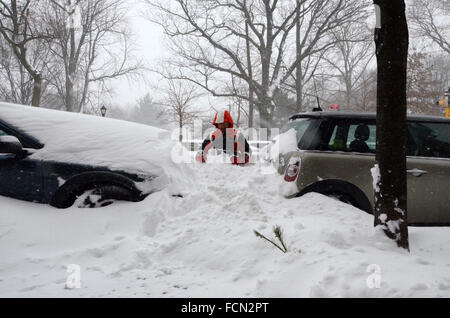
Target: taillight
point(292, 170)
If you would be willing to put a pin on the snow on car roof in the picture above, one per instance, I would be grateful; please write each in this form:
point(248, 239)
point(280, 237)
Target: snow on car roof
point(362, 115)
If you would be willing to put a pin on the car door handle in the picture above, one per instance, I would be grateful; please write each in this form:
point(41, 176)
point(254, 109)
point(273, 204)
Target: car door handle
point(416, 172)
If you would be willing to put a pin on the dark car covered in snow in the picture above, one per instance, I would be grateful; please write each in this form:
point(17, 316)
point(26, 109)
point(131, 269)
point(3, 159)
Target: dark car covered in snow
point(74, 160)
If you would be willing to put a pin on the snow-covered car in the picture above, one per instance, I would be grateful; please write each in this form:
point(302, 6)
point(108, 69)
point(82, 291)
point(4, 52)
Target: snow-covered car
point(58, 158)
point(332, 153)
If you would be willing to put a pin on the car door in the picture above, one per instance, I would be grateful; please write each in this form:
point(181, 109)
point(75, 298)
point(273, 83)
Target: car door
point(337, 160)
point(428, 177)
point(20, 177)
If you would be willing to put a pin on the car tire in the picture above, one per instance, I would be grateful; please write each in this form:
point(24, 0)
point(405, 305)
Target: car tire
point(102, 196)
point(111, 186)
point(342, 190)
point(343, 198)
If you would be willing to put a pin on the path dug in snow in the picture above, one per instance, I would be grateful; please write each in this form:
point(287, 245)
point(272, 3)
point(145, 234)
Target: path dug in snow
point(203, 245)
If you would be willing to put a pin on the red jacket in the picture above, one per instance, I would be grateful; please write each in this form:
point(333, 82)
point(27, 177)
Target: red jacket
point(229, 140)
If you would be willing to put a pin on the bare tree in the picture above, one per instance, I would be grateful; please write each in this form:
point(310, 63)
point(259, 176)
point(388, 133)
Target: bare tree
point(423, 89)
point(209, 39)
point(178, 99)
point(391, 41)
point(92, 44)
point(367, 90)
point(311, 69)
point(440, 71)
point(239, 88)
point(429, 19)
point(350, 58)
point(16, 84)
point(20, 27)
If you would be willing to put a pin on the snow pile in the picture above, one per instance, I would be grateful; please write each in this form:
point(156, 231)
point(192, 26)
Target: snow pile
point(286, 142)
point(282, 144)
point(202, 245)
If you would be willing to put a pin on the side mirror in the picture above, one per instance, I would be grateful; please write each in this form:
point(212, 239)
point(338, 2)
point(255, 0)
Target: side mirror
point(10, 145)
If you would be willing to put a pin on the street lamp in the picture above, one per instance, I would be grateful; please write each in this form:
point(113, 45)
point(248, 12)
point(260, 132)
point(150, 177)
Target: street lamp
point(103, 110)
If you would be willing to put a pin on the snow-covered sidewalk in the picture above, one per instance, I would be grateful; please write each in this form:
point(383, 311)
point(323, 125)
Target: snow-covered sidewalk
point(203, 245)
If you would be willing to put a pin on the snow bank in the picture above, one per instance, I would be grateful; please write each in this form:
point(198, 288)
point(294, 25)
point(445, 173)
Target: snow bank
point(286, 142)
point(203, 245)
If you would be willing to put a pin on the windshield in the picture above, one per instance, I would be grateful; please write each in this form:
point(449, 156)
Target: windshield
point(300, 125)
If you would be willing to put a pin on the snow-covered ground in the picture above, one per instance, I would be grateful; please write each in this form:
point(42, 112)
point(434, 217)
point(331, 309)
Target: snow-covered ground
point(203, 245)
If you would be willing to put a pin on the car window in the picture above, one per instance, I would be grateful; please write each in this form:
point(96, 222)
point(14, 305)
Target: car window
point(2, 133)
point(423, 139)
point(429, 139)
point(371, 141)
point(353, 137)
point(300, 126)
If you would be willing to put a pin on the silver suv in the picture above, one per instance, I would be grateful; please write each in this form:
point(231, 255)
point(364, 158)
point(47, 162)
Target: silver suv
point(336, 151)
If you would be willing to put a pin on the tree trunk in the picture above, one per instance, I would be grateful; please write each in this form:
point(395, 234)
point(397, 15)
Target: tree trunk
point(250, 75)
point(392, 53)
point(70, 75)
point(265, 113)
point(348, 94)
point(69, 100)
point(37, 89)
point(239, 114)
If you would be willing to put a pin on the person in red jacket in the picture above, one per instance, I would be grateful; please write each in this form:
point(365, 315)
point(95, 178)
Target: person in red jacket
point(226, 138)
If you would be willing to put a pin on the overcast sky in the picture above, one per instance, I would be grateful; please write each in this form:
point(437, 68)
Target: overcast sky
point(149, 48)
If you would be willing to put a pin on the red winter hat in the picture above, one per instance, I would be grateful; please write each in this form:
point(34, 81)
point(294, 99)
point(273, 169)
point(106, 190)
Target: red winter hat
point(223, 117)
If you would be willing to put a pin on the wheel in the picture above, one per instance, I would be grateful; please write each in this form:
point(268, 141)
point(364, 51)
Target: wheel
point(342, 191)
point(343, 198)
point(102, 196)
point(347, 199)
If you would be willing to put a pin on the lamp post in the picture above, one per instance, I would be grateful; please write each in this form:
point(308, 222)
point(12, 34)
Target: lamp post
point(103, 110)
